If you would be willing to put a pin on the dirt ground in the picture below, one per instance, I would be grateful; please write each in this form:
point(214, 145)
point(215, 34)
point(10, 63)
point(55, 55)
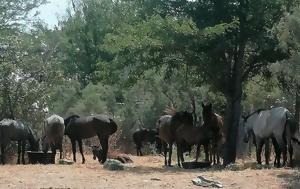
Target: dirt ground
point(145, 172)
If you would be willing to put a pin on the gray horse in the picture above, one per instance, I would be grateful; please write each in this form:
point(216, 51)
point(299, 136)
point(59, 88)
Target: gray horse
point(54, 133)
point(12, 130)
point(272, 123)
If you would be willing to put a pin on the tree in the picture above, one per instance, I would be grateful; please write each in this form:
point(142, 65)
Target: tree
point(82, 35)
point(27, 66)
point(287, 71)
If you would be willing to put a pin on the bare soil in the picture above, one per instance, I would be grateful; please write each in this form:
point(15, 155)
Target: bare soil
point(145, 172)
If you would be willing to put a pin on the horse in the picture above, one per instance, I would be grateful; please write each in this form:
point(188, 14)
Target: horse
point(54, 133)
point(275, 123)
point(78, 128)
point(12, 130)
point(145, 135)
point(215, 123)
point(167, 126)
point(191, 135)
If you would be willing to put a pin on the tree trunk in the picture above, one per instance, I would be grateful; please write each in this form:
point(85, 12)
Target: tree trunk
point(231, 124)
point(233, 108)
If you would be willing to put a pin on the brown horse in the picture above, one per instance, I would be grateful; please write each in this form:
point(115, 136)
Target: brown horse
point(78, 128)
point(215, 123)
point(201, 135)
point(167, 126)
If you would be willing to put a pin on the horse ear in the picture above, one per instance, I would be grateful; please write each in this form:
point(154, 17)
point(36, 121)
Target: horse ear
point(203, 106)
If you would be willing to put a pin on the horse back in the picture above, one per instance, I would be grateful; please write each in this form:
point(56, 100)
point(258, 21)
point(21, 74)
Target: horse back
point(87, 127)
point(12, 130)
point(164, 129)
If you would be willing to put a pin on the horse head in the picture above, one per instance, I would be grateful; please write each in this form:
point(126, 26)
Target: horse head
point(207, 112)
point(247, 128)
point(32, 139)
point(183, 118)
point(45, 144)
point(97, 153)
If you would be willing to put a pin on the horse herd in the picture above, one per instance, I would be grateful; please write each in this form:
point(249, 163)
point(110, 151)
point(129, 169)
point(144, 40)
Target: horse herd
point(75, 127)
point(276, 123)
point(177, 127)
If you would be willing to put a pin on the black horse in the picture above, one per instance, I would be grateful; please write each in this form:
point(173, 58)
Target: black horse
point(145, 135)
point(78, 128)
point(11, 130)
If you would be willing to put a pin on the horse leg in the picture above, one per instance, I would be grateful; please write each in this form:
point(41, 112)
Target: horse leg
point(210, 153)
point(214, 152)
point(267, 151)
point(3, 146)
point(81, 150)
point(180, 158)
point(104, 145)
point(206, 151)
point(170, 153)
point(137, 150)
point(165, 152)
point(197, 152)
point(53, 150)
point(291, 154)
point(60, 150)
point(19, 151)
point(277, 152)
point(140, 148)
point(181, 154)
point(23, 151)
point(74, 149)
point(282, 147)
point(259, 144)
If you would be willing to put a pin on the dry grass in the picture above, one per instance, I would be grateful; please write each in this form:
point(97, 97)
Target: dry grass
point(145, 172)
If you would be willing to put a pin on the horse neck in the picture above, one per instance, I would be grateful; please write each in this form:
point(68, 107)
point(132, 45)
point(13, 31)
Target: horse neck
point(212, 119)
point(250, 121)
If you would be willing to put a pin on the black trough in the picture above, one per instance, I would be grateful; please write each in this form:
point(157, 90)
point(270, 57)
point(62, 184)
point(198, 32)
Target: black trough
point(195, 165)
point(41, 157)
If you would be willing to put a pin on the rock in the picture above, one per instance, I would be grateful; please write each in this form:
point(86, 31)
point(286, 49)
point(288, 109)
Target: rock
point(65, 162)
point(232, 167)
point(113, 165)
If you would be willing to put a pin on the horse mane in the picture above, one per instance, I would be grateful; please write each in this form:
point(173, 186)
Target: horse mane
point(255, 112)
point(170, 111)
point(67, 120)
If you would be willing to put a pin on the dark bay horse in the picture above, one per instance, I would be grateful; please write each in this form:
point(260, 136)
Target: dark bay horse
point(11, 130)
point(167, 126)
point(145, 135)
point(191, 135)
point(78, 128)
point(54, 133)
point(214, 122)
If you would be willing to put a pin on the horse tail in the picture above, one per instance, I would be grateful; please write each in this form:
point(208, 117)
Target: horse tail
point(294, 131)
point(114, 126)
